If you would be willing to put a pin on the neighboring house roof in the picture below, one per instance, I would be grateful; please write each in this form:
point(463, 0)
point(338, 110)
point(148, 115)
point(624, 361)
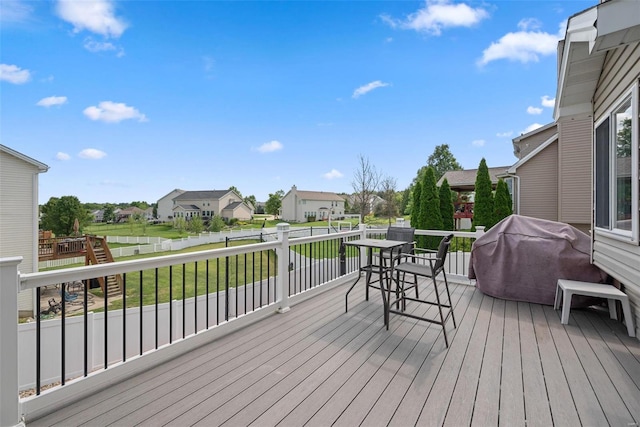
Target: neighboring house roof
point(234, 205)
point(529, 156)
point(465, 180)
point(175, 190)
point(41, 166)
point(130, 211)
point(533, 132)
point(187, 207)
point(201, 195)
point(319, 195)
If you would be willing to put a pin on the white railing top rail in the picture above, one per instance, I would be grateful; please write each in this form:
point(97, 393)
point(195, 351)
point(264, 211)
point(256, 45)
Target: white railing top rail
point(34, 280)
point(321, 237)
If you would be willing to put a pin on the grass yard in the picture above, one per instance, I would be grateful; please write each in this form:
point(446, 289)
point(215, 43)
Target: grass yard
point(237, 271)
point(189, 279)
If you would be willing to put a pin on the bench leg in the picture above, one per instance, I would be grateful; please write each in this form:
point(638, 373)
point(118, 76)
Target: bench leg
point(556, 303)
point(613, 312)
point(628, 317)
point(566, 307)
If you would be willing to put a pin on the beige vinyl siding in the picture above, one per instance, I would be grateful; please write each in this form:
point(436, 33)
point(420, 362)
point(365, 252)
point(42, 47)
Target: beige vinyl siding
point(574, 179)
point(617, 76)
point(620, 260)
point(539, 185)
point(617, 257)
point(532, 142)
point(17, 217)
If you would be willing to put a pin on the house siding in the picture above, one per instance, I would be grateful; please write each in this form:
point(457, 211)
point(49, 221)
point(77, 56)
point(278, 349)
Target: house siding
point(530, 143)
point(620, 260)
point(574, 157)
point(165, 205)
point(297, 202)
point(18, 221)
point(621, 69)
point(617, 257)
point(539, 185)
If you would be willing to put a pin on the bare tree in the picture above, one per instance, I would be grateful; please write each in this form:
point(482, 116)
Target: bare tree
point(388, 191)
point(366, 180)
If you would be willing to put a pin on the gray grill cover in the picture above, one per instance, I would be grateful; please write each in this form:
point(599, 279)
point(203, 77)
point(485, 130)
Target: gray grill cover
point(522, 258)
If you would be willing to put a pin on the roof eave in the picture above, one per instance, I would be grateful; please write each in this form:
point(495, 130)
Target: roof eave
point(580, 30)
point(532, 154)
point(41, 166)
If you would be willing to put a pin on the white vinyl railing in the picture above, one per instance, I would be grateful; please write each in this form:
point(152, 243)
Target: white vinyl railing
point(110, 357)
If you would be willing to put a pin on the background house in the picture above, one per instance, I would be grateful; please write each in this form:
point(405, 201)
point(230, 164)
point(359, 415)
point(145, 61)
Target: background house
point(550, 179)
point(464, 181)
point(19, 216)
point(165, 205)
point(123, 215)
point(206, 204)
point(598, 76)
point(298, 205)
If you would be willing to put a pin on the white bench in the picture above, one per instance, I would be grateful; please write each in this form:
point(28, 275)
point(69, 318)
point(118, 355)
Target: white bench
point(611, 293)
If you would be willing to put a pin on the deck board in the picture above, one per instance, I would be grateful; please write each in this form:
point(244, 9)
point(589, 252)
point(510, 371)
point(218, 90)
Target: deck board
point(558, 391)
point(612, 405)
point(511, 388)
point(462, 402)
point(537, 407)
point(487, 399)
point(509, 363)
point(584, 398)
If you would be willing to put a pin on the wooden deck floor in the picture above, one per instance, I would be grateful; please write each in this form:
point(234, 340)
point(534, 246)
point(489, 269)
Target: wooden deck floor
point(509, 364)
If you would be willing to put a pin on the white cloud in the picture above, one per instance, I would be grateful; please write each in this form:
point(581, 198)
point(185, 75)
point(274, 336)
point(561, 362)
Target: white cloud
point(548, 102)
point(14, 11)
point(362, 90)
point(529, 24)
point(95, 46)
point(62, 156)
point(91, 153)
point(334, 173)
point(534, 110)
point(14, 74)
point(504, 134)
point(478, 142)
point(269, 147)
point(96, 16)
point(526, 45)
point(437, 15)
point(531, 128)
point(112, 112)
point(51, 101)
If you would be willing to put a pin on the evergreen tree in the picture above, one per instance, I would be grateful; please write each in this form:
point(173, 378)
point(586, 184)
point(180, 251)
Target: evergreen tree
point(430, 217)
point(502, 203)
point(446, 206)
point(483, 204)
point(415, 205)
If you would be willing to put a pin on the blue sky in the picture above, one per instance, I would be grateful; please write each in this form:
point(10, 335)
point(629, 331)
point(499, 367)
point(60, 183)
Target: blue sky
point(127, 100)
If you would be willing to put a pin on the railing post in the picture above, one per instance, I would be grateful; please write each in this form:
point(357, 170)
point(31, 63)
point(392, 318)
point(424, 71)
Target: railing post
point(363, 235)
point(282, 281)
point(479, 231)
point(9, 285)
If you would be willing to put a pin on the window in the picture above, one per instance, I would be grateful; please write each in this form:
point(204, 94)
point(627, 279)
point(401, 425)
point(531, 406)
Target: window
point(616, 168)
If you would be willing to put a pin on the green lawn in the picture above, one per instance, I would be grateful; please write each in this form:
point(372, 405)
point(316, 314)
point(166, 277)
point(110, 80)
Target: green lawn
point(230, 271)
point(167, 231)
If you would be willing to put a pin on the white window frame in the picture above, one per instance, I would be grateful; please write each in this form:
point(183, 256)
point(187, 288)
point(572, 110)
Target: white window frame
point(622, 234)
